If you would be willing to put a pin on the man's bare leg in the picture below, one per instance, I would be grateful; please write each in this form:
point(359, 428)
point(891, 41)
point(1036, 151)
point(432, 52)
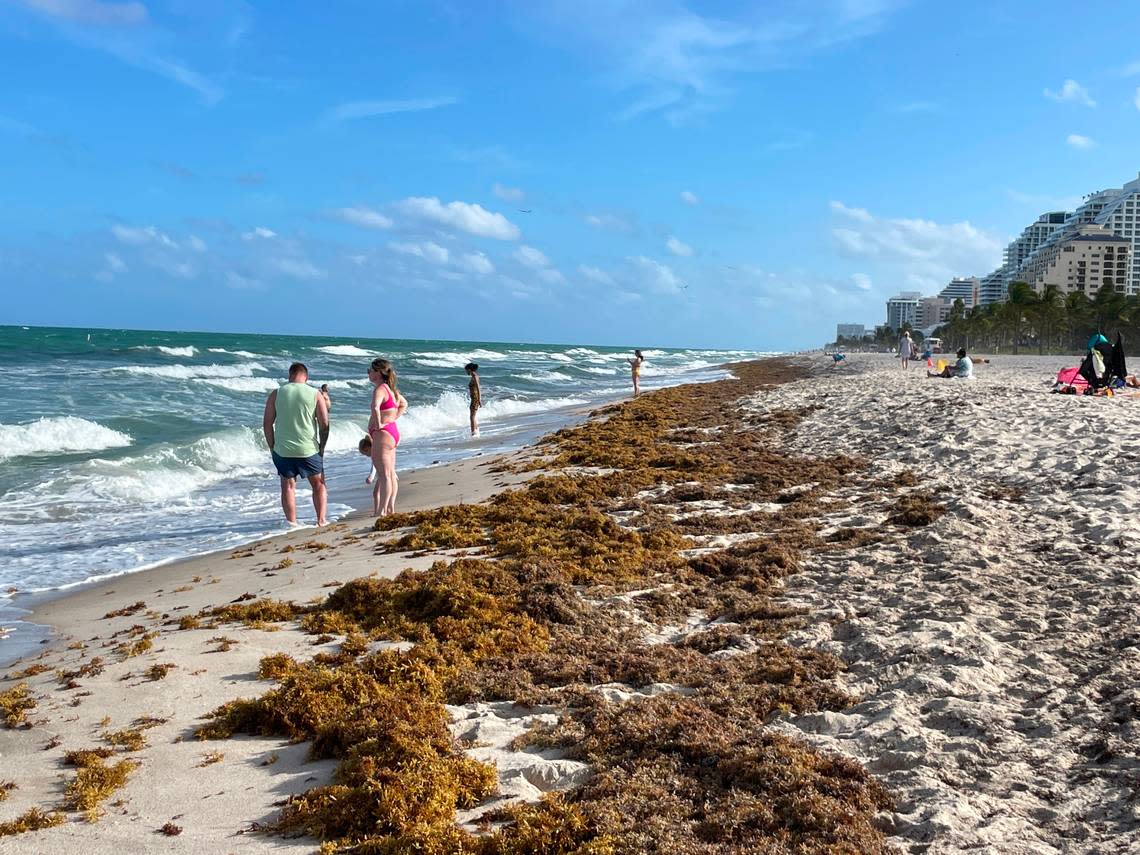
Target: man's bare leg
point(289, 500)
point(320, 498)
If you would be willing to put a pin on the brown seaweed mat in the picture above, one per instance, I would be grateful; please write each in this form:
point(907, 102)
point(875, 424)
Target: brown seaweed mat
point(560, 581)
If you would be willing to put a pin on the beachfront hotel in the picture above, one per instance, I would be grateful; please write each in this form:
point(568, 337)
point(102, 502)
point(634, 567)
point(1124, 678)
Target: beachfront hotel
point(1115, 209)
point(1087, 261)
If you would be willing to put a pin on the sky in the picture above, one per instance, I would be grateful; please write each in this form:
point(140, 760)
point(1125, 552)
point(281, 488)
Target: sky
point(626, 172)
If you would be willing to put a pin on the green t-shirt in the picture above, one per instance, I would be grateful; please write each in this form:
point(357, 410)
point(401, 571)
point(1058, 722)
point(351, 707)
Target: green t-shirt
point(295, 426)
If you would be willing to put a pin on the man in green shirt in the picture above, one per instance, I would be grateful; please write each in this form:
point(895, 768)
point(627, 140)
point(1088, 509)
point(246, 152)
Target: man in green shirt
point(296, 425)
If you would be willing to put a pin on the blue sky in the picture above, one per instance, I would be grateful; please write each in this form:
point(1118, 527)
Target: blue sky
point(632, 173)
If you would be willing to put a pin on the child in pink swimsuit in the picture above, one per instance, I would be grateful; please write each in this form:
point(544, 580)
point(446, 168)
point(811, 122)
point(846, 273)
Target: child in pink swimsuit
point(387, 406)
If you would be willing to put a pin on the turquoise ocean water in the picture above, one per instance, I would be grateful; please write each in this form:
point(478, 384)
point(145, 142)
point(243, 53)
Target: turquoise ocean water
point(120, 449)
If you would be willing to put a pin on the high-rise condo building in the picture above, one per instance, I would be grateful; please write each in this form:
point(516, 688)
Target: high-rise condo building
point(903, 309)
point(1086, 262)
point(967, 289)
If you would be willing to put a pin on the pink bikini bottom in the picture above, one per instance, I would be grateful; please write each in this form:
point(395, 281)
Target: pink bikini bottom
point(391, 430)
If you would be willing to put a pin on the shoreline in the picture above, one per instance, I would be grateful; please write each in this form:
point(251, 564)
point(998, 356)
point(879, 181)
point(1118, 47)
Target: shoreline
point(420, 489)
point(29, 635)
point(34, 635)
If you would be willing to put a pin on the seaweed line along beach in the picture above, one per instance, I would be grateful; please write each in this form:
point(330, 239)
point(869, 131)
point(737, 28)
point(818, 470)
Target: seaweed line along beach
point(803, 610)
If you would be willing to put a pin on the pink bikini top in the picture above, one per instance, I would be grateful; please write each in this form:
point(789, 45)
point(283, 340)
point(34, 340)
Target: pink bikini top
point(390, 403)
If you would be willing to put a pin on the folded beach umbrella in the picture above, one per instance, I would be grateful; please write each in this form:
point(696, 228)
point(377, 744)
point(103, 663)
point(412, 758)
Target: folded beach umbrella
point(1114, 365)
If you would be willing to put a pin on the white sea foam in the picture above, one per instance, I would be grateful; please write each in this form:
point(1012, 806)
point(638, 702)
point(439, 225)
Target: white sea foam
point(544, 376)
point(455, 359)
point(59, 435)
point(244, 384)
point(245, 354)
point(590, 370)
point(169, 351)
point(451, 412)
point(344, 350)
point(192, 372)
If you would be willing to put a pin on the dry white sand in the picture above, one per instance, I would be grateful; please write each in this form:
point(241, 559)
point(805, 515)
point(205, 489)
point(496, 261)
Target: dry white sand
point(997, 651)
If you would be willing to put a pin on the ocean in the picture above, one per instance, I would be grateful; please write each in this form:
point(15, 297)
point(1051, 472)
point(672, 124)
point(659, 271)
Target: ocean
point(120, 449)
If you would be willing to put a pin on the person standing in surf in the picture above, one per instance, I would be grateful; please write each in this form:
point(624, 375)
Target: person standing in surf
point(296, 427)
point(387, 406)
point(635, 371)
point(475, 392)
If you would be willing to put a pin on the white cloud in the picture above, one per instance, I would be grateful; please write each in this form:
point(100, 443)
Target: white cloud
point(367, 109)
point(463, 216)
point(259, 232)
point(610, 223)
point(114, 263)
point(427, 250)
point(1079, 141)
point(923, 252)
point(860, 214)
point(1072, 91)
point(243, 283)
point(196, 243)
point(596, 274)
point(364, 217)
point(1131, 70)
point(530, 257)
point(679, 63)
point(508, 194)
point(141, 235)
point(125, 31)
point(551, 276)
point(173, 266)
point(657, 276)
point(862, 281)
point(298, 268)
point(91, 12)
point(1136, 98)
point(678, 247)
point(689, 197)
point(476, 262)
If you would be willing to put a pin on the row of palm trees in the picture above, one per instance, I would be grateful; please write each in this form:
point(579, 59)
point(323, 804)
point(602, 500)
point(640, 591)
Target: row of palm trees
point(1050, 321)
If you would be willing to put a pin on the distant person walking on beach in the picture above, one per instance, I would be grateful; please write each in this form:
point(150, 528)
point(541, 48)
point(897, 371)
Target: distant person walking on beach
point(476, 393)
point(635, 371)
point(296, 426)
point(907, 349)
point(387, 406)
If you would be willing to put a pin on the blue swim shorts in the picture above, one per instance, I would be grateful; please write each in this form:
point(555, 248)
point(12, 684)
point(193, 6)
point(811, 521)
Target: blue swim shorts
point(298, 467)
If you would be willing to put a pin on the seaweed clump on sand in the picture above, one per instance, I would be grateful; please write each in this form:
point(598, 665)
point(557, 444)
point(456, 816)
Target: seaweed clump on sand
point(916, 509)
point(32, 819)
point(574, 568)
point(95, 782)
point(15, 704)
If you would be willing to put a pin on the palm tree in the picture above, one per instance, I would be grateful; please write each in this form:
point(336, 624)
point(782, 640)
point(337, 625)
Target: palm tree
point(1076, 313)
point(1045, 313)
point(1021, 301)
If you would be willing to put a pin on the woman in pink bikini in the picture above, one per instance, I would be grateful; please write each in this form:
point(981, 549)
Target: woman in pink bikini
point(387, 406)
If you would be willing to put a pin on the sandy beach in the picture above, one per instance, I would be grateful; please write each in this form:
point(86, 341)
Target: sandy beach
point(812, 610)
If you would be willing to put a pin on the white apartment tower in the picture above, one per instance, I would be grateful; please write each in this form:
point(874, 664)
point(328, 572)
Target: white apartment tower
point(967, 289)
point(1122, 215)
point(903, 309)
